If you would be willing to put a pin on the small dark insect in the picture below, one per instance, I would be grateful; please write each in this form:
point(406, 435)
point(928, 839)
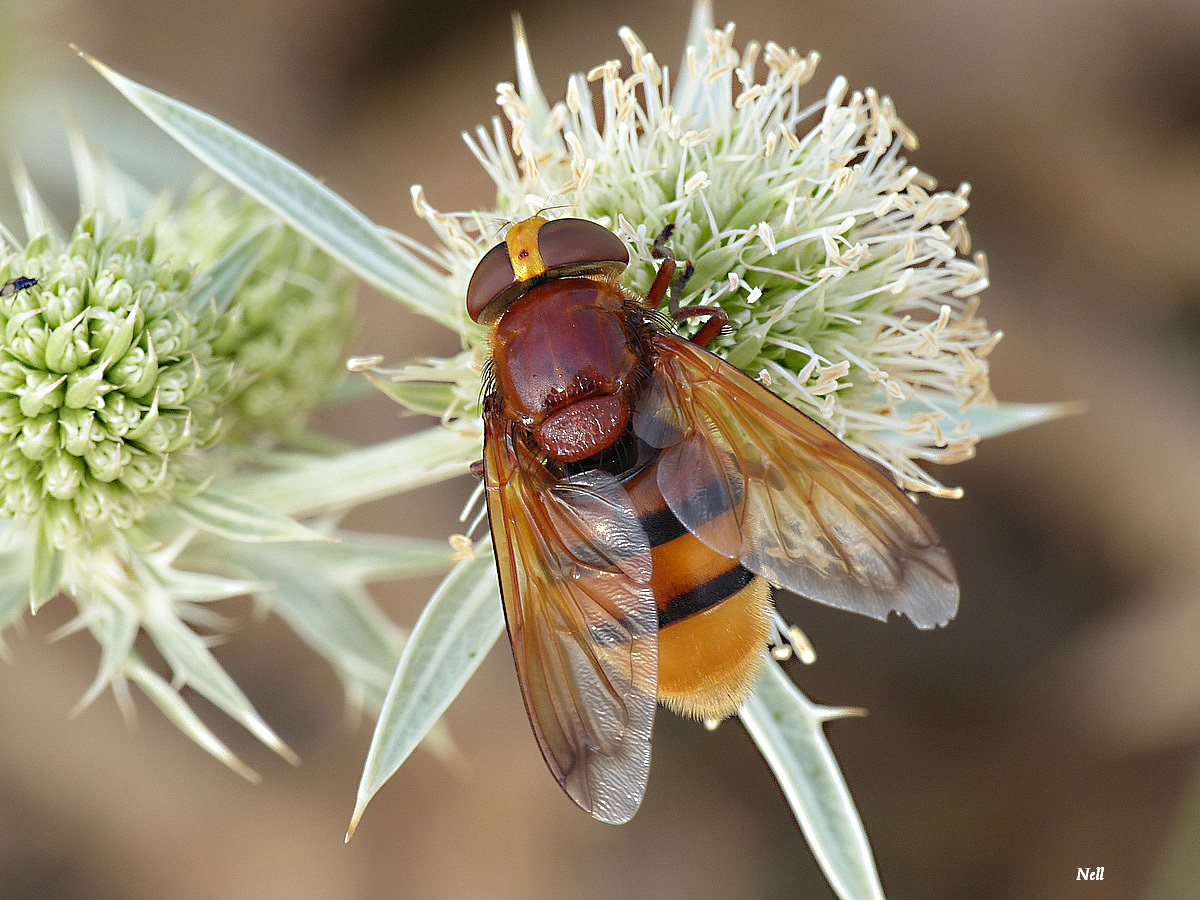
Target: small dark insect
point(16, 285)
point(644, 497)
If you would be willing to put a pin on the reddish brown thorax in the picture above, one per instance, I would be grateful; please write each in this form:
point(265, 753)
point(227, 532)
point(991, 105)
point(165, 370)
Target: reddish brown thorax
point(563, 360)
point(562, 352)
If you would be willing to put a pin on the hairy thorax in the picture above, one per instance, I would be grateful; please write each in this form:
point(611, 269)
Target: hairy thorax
point(564, 362)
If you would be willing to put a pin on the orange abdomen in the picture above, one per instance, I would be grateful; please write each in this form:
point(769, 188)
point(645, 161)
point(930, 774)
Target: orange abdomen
point(714, 615)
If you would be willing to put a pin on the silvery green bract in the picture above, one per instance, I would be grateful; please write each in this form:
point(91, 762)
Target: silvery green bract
point(149, 368)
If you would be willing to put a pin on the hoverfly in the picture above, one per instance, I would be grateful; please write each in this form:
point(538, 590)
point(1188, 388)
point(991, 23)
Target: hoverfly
point(645, 496)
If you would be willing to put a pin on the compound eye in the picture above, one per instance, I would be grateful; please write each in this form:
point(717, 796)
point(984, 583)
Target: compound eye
point(580, 244)
point(493, 275)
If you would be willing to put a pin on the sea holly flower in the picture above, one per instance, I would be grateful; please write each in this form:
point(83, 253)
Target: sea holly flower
point(844, 271)
point(842, 268)
point(289, 328)
point(148, 357)
point(109, 381)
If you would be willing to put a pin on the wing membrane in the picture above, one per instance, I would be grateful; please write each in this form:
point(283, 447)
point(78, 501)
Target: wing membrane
point(574, 566)
point(757, 480)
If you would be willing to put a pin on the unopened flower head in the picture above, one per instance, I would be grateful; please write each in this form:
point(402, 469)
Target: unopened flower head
point(109, 383)
point(842, 269)
point(145, 358)
point(289, 328)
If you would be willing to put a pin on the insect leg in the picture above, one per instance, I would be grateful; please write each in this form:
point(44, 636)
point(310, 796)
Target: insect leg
point(717, 319)
point(662, 281)
point(668, 279)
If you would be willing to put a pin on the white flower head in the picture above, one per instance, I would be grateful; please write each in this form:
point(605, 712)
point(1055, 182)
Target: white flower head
point(843, 270)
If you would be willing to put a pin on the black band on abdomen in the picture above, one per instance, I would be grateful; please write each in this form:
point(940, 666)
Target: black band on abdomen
point(661, 526)
point(705, 595)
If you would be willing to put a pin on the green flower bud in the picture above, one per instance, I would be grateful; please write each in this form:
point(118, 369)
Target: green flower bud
point(38, 438)
point(108, 381)
point(119, 338)
point(62, 523)
point(24, 495)
point(65, 305)
point(84, 389)
point(75, 429)
point(135, 373)
point(105, 460)
point(145, 472)
point(290, 320)
point(62, 474)
point(11, 417)
point(88, 505)
point(43, 390)
point(67, 349)
point(119, 415)
point(13, 465)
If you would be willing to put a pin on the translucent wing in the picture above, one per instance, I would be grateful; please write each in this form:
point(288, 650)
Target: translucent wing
point(574, 567)
point(759, 481)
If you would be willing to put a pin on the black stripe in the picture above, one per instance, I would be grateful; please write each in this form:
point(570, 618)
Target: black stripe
point(705, 595)
point(661, 526)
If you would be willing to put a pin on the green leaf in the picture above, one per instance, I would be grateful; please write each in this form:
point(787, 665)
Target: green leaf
point(101, 185)
point(339, 622)
point(989, 421)
point(789, 731)
point(239, 519)
point(35, 212)
point(429, 397)
point(115, 628)
point(199, 587)
point(193, 664)
point(222, 279)
point(434, 387)
point(181, 715)
point(300, 199)
point(47, 569)
point(459, 625)
point(14, 600)
point(368, 473)
point(362, 558)
point(316, 589)
point(684, 95)
point(531, 90)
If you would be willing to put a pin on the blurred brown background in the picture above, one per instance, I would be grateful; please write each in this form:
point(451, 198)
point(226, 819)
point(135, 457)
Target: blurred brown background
point(1054, 725)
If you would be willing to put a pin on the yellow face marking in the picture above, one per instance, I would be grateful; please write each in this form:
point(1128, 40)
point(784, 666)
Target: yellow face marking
point(522, 241)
